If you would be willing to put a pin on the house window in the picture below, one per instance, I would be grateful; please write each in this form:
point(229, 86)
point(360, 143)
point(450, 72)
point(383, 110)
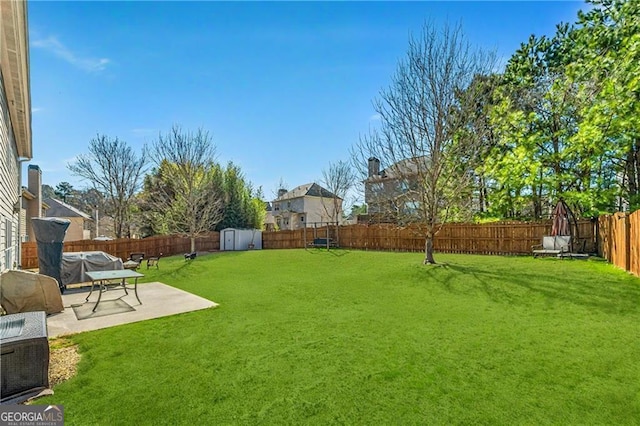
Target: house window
point(288, 204)
point(301, 218)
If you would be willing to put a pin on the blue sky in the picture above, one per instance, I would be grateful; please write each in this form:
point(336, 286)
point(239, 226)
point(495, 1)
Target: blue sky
point(285, 88)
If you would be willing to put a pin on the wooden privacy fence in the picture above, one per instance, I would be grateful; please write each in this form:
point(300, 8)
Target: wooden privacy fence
point(619, 240)
point(489, 238)
point(506, 238)
point(123, 247)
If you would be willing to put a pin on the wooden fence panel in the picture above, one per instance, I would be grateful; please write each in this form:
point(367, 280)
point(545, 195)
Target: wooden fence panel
point(490, 238)
point(634, 242)
point(511, 238)
point(605, 236)
point(123, 247)
point(619, 240)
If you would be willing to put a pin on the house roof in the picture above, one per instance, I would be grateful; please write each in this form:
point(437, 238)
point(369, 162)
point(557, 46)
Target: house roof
point(28, 194)
point(59, 209)
point(14, 63)
point(309, 190)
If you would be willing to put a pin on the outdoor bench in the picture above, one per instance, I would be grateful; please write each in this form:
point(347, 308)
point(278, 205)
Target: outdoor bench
point(322, 242)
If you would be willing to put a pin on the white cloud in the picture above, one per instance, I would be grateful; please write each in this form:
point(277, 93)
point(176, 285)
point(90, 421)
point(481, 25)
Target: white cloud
point(54, 46)
point(70, 160)
point(35, 109)
point(375, 117)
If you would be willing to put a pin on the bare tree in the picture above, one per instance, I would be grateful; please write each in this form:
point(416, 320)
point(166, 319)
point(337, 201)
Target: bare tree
point(114, 169)
point(426, 178)
point(282, 186)
point(338, 179)
point(187, 192)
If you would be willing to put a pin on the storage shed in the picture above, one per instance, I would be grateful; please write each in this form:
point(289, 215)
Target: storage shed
point(240, 239)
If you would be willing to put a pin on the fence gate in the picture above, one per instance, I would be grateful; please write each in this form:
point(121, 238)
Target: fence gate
point(229, 239)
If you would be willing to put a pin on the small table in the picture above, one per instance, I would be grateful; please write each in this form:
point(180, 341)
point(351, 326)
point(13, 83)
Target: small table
point(103, 278)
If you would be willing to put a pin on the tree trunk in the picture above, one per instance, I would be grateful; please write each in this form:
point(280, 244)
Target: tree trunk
point(633, 172)
point(482, 195)
point(117, 228)
point(428, 250)
point(193, 244)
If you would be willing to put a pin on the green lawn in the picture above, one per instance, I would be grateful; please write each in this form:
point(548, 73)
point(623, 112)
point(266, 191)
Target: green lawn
point(371, 338)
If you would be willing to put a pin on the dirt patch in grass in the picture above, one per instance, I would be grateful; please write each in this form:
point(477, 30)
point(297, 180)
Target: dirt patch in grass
point(63, 361)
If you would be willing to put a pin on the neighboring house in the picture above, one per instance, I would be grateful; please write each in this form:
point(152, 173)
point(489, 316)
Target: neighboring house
point(387, 192)
point(15, 125)
point(32, 204)
point(305, 206)
point(81, 223)
point(269, 219)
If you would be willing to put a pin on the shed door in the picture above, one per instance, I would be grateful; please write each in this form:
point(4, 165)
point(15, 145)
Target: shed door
point(230, 239)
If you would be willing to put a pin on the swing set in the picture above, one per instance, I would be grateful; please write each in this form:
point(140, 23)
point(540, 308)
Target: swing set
point(328, 240)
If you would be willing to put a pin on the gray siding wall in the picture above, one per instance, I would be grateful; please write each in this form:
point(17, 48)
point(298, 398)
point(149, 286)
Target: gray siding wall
point(9, 192)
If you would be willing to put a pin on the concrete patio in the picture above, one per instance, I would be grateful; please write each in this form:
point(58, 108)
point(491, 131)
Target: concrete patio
point(116, 308)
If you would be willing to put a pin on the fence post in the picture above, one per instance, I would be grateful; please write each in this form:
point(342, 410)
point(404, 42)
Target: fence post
point(627, 241)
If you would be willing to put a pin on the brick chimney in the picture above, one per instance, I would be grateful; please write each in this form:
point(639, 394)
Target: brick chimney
point(34, 207)
point(374, 166)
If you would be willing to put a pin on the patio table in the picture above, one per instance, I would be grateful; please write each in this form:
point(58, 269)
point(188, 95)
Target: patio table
point(104, 280)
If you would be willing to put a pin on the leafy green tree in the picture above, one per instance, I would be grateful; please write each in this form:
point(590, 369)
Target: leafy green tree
point(183, 196)
point(606, 72)
point(243, 208)
point(567, 117)
point(157, 186)
point(476, 129)
point(357, 209)
point(64, 191)
point(538, 112)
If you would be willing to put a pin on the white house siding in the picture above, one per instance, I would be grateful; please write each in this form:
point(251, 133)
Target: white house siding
point(318, 210)
point(304, 206)
point(305, 211)
point(9, 189)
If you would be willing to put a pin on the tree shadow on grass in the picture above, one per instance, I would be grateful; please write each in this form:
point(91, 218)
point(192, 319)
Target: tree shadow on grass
point(606, 293)
point(333, 252)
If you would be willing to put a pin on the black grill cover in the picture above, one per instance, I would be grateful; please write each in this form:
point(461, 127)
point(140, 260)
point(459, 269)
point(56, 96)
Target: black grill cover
point(50, 233)
point(75, 265)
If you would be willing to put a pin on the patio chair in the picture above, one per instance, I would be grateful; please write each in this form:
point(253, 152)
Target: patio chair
point(154, 261)
point(134, 258)
point(552, 245)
